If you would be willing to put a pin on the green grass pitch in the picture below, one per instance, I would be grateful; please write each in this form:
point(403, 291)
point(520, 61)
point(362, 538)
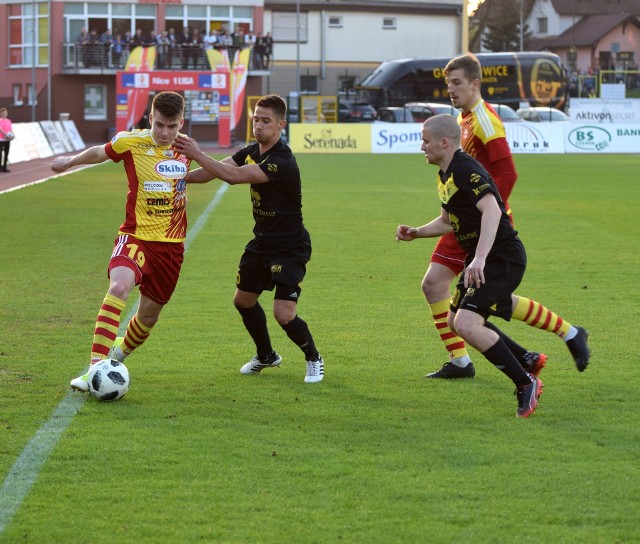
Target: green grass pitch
point(196, 452)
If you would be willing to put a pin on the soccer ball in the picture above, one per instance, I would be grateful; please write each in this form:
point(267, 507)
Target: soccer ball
point(108, 380)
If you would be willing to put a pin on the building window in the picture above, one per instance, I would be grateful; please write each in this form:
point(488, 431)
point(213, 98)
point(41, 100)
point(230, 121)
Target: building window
point(335, 21)
point(346, 84)
point(119, 18)
point(28, 34)
point(95, 102)
point(208, 18)
point(543, 23)
point(285, 27)
point(389, 23)
point(17, 94)
point(32, 99)
point(309, 84)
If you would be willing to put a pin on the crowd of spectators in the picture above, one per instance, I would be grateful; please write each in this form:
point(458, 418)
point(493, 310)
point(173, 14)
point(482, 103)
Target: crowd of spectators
point(184, 50)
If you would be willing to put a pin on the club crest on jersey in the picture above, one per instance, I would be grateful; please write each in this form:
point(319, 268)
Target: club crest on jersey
point(171, 169)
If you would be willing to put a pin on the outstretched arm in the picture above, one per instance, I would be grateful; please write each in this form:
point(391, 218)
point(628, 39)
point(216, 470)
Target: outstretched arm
point(439, 226)
point(92, 155)
point(226, 170)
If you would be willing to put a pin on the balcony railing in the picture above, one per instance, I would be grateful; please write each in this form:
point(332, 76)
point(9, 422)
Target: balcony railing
point(99, 57)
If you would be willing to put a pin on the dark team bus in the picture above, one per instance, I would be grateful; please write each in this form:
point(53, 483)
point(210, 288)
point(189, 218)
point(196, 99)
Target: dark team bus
point(507, 78)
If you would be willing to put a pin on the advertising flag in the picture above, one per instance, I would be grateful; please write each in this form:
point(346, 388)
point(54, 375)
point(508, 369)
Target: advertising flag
point(238, 84)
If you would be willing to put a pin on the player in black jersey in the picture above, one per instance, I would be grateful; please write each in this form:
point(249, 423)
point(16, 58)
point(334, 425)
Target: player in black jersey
point(281, 247)
point(496, 259)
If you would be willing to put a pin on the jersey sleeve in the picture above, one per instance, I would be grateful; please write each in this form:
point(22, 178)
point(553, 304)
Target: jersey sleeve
point(276, 167)
point(497, 148)
point(240, 156)
point(118, 146)
point(474, 183)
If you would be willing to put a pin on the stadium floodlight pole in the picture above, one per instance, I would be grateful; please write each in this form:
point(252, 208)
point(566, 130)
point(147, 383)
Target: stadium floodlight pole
point(521, 29)
point(298, 56)
point(34, 52)
point(464, 30)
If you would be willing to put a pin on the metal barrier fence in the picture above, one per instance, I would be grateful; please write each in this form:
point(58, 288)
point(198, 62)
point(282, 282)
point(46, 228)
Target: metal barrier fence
point(181, 57)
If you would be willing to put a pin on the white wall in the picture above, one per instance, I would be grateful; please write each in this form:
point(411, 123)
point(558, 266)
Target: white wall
point(362, 38)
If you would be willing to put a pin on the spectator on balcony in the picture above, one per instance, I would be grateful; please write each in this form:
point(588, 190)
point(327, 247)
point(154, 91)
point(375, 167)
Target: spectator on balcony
point(106, 41)
point(258, 52)
point(268, 50)
point(197, 49)
point(137, 40)
point(238, 38)
point(81, 47)
point(224, 39)
point(163, 49)
point(249, 39)
point(118, 47)
point(184, 42)
point(150, 40)
point(173, 46)
point(210, 40)
point(94, 48)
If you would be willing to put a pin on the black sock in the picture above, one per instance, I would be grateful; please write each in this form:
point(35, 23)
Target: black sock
point(298, 331)
point(515, 348)
point(256, 324)
point(500, 356)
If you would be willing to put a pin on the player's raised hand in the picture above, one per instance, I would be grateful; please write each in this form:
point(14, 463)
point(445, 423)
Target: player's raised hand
point(187, 146)
point(406, 233)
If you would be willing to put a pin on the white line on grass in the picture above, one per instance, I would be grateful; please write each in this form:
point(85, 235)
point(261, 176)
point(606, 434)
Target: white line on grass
point(25, 470)
point(38, 181)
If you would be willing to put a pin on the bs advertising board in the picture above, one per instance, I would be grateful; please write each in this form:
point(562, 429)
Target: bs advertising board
point(530, 138)
point(602, 138)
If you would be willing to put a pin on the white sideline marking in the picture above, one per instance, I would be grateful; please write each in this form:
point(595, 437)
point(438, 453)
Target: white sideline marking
point(25, 470)
point(38, 181)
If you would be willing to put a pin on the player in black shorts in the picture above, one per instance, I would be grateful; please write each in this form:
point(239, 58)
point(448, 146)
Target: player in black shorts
point(496, 259)
point(281, 247)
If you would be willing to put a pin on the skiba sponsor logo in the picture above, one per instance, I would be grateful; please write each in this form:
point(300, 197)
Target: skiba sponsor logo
point(171, 169)
point(590, 138)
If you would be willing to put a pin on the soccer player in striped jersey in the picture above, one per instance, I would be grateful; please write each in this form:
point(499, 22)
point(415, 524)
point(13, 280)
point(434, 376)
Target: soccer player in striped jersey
point(484, 138)
point(149, 248)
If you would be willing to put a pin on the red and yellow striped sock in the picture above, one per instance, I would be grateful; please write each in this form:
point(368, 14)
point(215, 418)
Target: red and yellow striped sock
point(106, 327)
point(535, 314)
point(136, 335)
point(452, 342)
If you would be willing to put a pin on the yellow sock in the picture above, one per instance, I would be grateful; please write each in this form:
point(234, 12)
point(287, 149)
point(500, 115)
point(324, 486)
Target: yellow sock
point(107, 325)
point(535, 314)
point(452, 342)
point(135, 336)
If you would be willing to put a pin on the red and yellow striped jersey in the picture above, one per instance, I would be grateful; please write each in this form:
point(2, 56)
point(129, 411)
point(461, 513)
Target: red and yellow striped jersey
point(157, 197)
point(483, 135)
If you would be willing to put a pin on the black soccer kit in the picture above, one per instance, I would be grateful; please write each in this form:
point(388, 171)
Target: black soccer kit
point(281, 246)
point(460, 188)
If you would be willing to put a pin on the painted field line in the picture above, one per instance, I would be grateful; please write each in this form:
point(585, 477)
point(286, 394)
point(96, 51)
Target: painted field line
point(26, 469)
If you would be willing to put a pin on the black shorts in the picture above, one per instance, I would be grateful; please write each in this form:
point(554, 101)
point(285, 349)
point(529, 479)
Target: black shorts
point(503, 272)
point(263, 267)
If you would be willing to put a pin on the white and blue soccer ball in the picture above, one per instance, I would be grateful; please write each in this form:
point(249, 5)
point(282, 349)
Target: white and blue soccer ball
point(108, 380)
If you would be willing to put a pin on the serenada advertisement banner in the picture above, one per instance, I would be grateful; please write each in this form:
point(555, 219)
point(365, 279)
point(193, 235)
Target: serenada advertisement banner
point(330, 137)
